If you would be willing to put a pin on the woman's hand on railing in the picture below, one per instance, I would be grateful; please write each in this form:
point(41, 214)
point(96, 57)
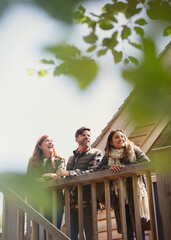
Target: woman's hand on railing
point(60, 173)
point(116, 168)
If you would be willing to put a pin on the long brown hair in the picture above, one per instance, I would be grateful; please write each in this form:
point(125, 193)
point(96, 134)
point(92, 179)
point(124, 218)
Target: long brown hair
point(128, 149)
point(38, 153)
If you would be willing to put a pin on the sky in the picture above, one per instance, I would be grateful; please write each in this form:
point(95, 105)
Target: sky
point(32, 106)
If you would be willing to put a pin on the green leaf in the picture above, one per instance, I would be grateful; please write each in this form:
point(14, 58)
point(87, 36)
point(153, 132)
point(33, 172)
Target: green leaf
point(132, 12)
point(61, 69)
point(114, 35)
point(133, 60)
point(126, 32)
point(159, 10)
point(92, 38)
point(109, 42)
point(64, 52)
point(84, 71)
point(77, 16)
point(120, 7)
point(126, 61)
point(138, 46)
point(141, 22)
point(91, 49)
point(117, 56)
point(167, 31)
point(139, 31)
point(47, 61)
point(102, 52)
point(42, 73)
point(105, 25)
point(81, 9)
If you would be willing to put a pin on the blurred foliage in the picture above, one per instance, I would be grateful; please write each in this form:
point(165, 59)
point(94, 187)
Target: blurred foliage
point(58, 9)
point(113, 30)
point(82, 68)
point(124, 20)
point(28, 187)
point(152, 86)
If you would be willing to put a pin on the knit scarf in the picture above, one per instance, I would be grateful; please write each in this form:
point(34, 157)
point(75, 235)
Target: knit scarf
point(115, 155)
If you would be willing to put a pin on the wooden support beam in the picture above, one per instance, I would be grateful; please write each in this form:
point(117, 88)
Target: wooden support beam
point(28, 228)
point(108, 210)
point(122, 208)
point(136, 208)
point(94, 210)
point(20, 224)
point(153, 225)
point(80, 212)
point(67, 212)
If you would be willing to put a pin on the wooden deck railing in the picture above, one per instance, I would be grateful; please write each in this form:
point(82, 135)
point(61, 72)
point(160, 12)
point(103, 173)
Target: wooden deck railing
point(79, 181)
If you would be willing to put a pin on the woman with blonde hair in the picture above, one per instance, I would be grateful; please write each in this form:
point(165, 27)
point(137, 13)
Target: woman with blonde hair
point(121, 152)
point(43, 164)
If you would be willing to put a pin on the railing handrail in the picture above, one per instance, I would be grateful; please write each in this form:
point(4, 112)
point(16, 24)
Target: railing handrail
point(25, 207)
point(99, 176)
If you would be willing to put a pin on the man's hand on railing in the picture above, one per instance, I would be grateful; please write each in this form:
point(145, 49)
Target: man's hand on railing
point(116, 168)
point(48, 176)
point(60, 173)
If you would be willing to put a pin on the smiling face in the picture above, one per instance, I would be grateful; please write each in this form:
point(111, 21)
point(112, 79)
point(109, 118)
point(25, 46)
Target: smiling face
point(47, 147)
point(84, 139)
point(118, 140)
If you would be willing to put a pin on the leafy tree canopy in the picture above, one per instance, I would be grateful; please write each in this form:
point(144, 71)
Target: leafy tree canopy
point(120, 24)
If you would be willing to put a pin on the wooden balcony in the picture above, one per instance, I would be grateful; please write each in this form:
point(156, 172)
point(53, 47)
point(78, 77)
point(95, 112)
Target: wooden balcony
point(20, 219)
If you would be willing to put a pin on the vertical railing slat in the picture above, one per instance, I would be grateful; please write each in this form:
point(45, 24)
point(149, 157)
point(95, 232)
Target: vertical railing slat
point(20, 224)
point(41, 229)
point(94, 210)
point(80, 212)
point(67, 212)
point(153, 225)
point(136, 208)
point(49, 236)
point(28, 228)
point(122, 208)
point(34, 230)
point(5, 218)
point(108, 209)
point(54, 208)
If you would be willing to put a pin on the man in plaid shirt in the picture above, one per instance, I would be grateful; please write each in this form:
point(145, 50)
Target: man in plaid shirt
point(83, 160)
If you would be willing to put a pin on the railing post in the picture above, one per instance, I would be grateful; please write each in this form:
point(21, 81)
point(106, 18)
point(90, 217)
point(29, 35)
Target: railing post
point(34, 233)
point(28, 228)
point(122, 208)
point(80, 211)
point(41, 229)
point(136, 208)
point(162, 158)
point(67, 212)
point(94, 210)
point(9, 220)
point(5, 218)
point(20, 224)
point(108, 209)
point(153, 225)
point(54, 208)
